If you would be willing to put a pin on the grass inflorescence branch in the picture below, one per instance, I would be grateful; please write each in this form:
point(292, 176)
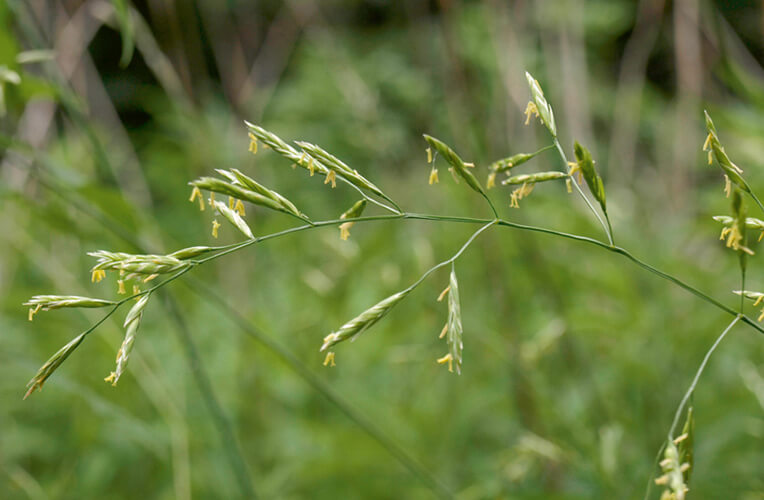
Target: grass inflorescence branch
point(138, 269)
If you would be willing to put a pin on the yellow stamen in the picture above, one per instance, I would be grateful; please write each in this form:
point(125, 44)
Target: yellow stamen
point(331, 177)
point(761, 235)
point(443, 331)
point(215, 226)
point(761, 316)
point(97, 276)
point(531, 109)
point(231, 202)
point(196, 193)
point(491, 182)
point(329, 360)
point(136, 291)
point(662, 480)
point(239, 207)
point(121, 284)
point(212, 199)
point(443, 293)
point(150, 277)
point(707, 143)
point(433, 176)
point(429, 155)
point(345, 230)
point(469, 165)
point(520, 193)
point(252, 143)
point(311, 167)
point(112, 379)
point(727, 186)
point(447, 359)
point(302, 158)
point(758, 300)
point(568, 185)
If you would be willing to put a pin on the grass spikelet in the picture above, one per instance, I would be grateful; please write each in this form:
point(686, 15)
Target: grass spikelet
point(585, 165)
point(534, 178)
point(673, 474)
point(453, 327)
point(132, 322)
point(280, 146)
point(50, 302)
point(455, 161)
point(236, 191)
point(234, 218)
point(52, 365)
point(542, 107)
point(339, 167)
point(685, 445)
point(363, 321)
point(515, 160)
point(716, 150)
point(253, 185)
point(136, 264)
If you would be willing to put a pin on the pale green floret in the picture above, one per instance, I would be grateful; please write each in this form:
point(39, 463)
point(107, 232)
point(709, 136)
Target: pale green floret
point(234, 218)
point(363, 321)
point(50, 302)
point(542, 106)
point(455, 161)
point(534, 178)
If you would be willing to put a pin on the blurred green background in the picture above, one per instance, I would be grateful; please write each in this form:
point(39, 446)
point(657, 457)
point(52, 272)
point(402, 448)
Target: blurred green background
point(574, 359)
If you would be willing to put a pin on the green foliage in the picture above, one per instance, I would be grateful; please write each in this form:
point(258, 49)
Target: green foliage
point(574, 360)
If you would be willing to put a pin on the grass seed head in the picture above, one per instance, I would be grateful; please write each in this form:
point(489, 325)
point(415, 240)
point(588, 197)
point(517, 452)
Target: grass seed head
point(457, 164)
point(542, 107)
point(52, 365)
point(363, 321)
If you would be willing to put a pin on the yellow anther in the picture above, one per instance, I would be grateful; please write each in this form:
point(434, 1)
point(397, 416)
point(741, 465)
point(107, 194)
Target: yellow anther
point(239, 207)
point(311, 166)
point(429, 155)
point(491, 182)
point(112, 379)
point(530, 109)
point(443, 331)
point(331, 177)
point(231, 202)
point(252, 143)
point(150, 277)
point(447, 359)
point(345, 230)
point(215, 226)
point(121, 289)
point(196, 193)
point(329, 360)
point(433, 176)
point(211, 200)
point(97, 275)
point(443, 293)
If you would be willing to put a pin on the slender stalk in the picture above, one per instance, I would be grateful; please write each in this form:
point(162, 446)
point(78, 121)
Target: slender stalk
point(694, 383)
point(608, 229)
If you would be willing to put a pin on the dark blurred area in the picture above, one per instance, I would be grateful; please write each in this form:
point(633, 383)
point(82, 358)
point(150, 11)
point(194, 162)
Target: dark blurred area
point(575, 359)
